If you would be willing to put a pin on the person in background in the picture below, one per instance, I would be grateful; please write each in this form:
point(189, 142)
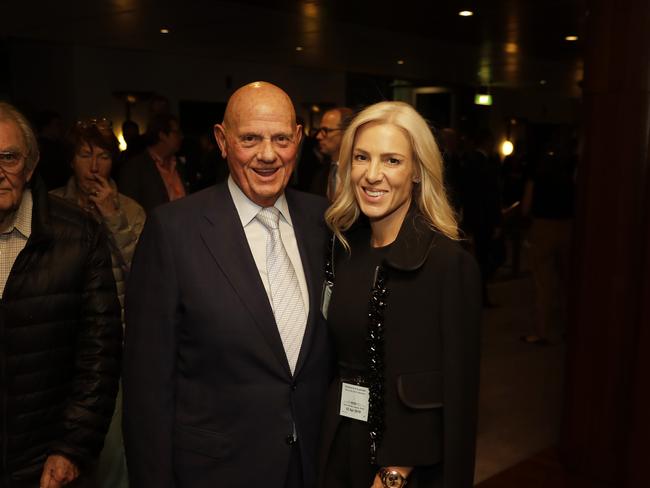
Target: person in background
point(134, 146)
point(211, 168)
point(155, 176)
point(548, 201)
point(91, 154)
point(52, 167)
point(133, 139)
point(309, 162)
point(329, 136)
point(60, 324)
point(513, 173)
point(404, 314)
point(482, 204)
point(453, 168)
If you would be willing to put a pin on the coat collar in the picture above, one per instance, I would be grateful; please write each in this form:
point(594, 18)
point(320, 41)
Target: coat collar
point(41, 229)
point(415, 238)
point(411, 248)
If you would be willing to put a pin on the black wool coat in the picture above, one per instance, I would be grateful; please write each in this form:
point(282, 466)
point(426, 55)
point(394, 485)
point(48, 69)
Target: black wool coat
point(60, 346)
point(431, 354)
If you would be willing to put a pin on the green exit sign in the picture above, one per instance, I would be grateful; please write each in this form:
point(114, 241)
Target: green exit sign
point(483, 99)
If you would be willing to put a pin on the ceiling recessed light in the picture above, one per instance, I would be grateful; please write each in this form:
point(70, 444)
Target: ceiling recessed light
point(571, 38)
point(400, 61)
point(299, 48)
point(542, 82)
point(164, 31)
point(465, 13)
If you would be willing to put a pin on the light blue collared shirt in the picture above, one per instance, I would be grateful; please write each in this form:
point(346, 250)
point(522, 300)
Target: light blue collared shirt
point(256, 235)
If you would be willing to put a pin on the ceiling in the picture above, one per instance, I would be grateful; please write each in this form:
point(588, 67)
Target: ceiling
point(505, 43)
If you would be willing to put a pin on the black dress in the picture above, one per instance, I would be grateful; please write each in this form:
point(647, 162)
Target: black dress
point(431, 358)
point(348, 323)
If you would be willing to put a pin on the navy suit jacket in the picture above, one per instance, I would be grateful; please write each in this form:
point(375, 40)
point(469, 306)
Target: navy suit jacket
point(208, 394)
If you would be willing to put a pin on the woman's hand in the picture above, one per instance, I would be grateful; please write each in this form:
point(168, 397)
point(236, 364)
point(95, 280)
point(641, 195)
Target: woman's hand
point(58, 471)
point(405, 471)
point(103, 196)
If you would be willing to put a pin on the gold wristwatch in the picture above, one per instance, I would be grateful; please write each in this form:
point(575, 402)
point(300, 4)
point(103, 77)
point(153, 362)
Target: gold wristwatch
point(391, 478)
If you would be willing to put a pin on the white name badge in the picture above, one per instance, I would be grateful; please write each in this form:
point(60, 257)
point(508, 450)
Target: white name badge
point(355, 402)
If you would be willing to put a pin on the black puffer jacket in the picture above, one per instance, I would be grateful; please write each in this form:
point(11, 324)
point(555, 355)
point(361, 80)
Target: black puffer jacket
point(60, 343)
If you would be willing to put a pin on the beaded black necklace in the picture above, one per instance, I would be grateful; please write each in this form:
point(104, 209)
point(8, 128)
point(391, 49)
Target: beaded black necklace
point(375, 347)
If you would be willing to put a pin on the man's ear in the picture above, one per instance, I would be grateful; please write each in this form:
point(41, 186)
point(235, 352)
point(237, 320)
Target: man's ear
point(29, 174)
point(298, 134)
point(220, 136)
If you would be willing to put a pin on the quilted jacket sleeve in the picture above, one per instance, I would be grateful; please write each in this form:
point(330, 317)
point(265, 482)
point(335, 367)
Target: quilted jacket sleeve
point(90, 406)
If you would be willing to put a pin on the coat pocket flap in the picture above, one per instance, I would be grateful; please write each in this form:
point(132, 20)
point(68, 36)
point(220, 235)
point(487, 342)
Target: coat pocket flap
point(421, 390)
point(208, 443)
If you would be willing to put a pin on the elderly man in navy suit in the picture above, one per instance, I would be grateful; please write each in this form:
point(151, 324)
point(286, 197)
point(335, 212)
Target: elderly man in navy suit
point(226, 355)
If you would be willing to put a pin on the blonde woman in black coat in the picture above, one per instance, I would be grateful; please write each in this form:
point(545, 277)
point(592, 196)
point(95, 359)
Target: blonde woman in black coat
point(403, 307)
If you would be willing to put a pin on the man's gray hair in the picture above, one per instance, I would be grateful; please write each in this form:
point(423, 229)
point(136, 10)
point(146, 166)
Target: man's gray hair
point(9, 113)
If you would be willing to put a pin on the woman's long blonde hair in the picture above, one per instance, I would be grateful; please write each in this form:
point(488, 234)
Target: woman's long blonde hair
point(429, 194)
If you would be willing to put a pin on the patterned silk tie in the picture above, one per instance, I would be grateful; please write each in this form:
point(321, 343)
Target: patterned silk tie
point(286, 299)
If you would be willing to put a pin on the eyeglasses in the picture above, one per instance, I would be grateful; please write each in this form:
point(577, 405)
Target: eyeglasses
point(10, 161)
point(326, 130)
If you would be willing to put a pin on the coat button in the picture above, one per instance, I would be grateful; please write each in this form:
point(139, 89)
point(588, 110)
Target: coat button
point(294, 386)
point(289, 439)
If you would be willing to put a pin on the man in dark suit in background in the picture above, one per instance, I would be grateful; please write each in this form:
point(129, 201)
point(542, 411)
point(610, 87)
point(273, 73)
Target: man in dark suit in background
point(155, 176)
point(226, 354)
point(482, 204)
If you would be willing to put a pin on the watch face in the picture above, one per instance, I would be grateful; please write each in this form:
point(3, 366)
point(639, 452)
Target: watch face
point(393, 480)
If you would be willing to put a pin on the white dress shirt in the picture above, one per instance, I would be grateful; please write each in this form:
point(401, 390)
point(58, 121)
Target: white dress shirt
point(256, 235)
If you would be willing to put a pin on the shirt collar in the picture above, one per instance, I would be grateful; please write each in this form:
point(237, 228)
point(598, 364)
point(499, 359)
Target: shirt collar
point(167, 164)
point(248, 210)
point(23, 216)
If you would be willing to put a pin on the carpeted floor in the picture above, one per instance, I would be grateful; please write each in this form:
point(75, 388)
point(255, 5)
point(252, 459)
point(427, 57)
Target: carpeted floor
point(540, 471)
point(521, 384)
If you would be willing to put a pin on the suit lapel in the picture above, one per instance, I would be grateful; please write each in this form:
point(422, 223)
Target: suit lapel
point(312, 265)
point(157, 188)
point(232, 254)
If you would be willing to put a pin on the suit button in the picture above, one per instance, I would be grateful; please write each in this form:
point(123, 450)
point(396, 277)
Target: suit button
point(294, 387)
point(289, 439)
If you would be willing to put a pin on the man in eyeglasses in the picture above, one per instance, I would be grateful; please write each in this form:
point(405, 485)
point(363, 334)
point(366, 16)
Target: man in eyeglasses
point(329, 137)
point(60, 324)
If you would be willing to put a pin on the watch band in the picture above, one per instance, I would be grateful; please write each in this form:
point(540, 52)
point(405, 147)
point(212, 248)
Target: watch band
point(391, 478)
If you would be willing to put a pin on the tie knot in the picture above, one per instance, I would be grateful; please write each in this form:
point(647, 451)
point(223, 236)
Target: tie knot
point(269, 217)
